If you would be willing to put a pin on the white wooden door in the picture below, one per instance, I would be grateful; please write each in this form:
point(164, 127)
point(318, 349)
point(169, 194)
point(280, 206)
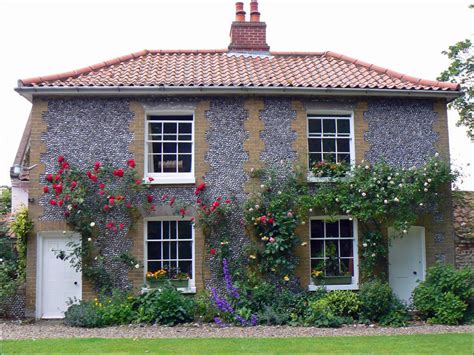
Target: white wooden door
point(406, 261)
point(59, 280)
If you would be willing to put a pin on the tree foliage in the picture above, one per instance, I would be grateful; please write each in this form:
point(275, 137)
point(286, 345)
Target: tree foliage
point(461, 71)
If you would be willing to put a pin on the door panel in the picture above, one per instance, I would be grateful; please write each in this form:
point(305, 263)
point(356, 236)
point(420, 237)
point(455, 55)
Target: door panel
point(59, 280)
point(406, 261)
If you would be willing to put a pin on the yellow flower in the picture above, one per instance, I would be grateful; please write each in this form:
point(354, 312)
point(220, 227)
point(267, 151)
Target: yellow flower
point(252, 257)
point(304, 244)
point(286, 278)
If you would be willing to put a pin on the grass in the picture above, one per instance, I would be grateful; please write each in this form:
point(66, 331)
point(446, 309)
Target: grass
point(429, 343)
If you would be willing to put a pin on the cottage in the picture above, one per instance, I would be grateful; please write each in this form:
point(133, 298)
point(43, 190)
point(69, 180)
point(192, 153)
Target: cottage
point(188, 116)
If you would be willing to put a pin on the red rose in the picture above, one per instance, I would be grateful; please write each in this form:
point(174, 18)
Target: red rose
point(150, 198)
point(227, 201)
point(111, 201)
point(110, 225)
point(97, 165)
point(119, 198)
point(101, 193)
point(102, 186)
point(271, 220)
point(60, 159)
point(66, 214)
point(122, 226)
point(131, 163)
point(172, 201)
point(60, 171)
point(138, 182)
point(150, 179)
point(152, 208)
point(263, 219)
point(94, 178)
point(164, 197)
point(213, 251)
point(67, 198)
point(89, 174)
point(58, 188)
point(60, 202)
point(52, 202)
point(200, 187)
point(192, 219)
point(49, 177)
point(73, 185)
point(106, 208)
point(118, 172)
point(57, 178)
point(182, 211)
point(215, 204)
point(129, 205)
point(45, 189)
point(65, 165)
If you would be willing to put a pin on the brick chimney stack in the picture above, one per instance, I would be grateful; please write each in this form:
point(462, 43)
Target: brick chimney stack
point(248, 36)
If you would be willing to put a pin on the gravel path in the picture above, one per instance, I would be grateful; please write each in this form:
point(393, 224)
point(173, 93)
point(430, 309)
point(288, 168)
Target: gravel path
point(48, 329)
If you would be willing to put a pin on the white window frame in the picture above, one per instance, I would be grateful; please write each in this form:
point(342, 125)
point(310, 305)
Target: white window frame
point(192, 281)
point(355, 279)
point(170, 178)
point(311, 177)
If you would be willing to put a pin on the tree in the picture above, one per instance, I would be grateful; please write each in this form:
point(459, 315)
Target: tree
point(5, 200)
point(461, 71)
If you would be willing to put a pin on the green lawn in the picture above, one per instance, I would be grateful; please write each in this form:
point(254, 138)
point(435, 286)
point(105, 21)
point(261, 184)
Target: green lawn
point(432, 343)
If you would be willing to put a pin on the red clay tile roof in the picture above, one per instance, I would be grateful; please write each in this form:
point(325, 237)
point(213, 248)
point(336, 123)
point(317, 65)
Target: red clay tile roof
point(220, 68)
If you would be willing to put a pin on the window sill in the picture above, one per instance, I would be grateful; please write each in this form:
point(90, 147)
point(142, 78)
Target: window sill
point(169, 180)
point(185, 290)
point(333, 287)
point(325, 179)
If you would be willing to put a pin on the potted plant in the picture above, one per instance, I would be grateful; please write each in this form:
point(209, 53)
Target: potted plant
point(160, 277)
point(329, 169)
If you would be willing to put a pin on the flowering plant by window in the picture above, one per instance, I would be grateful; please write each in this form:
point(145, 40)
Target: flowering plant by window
point(330, 169)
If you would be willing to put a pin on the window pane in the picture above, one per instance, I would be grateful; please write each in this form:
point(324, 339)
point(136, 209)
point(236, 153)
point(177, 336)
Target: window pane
point(187, 267)
point(314, 125)
point(185, 250)
point(329, 145)
point(314, 145)
point(317, 248)
point(346, 248)
point(166, 250)
point(169, 127)
point(154, 250)
point(343, 127)
point(344, 158)
point(329, 127)
point(347, 267)
point(154, 128)
point(184, 137)
point(343, 145)
point(346, 228)
point(173, 250)
point(329, 157)
point(184, 163)
point(332, 230)
point(173, 231)
point(185, 128)
point(184, 147)
point(153, 266)
point(154, 163)
point(169, 163)
point(317, 264)
point(154, 230)
point(169, 147)
point(317, 229)
point(166, 230)
point(184, 230)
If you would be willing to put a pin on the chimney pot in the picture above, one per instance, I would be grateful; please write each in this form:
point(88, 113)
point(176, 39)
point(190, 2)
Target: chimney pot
point(239, 12)
point(254, 14)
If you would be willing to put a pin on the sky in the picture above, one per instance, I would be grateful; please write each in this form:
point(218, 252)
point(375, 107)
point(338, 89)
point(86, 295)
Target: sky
point(48, 37)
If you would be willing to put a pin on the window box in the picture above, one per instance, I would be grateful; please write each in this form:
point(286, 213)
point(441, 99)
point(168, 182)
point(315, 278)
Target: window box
point(333, 280)
point(161, 283)
point(325, 179)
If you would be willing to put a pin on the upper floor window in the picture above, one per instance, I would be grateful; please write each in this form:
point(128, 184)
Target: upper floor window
point(330, 139)
point(169, 148)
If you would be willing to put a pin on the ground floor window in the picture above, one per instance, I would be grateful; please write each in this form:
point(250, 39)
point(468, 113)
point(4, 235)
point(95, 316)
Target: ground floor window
point(333, 251)
point(169, 245)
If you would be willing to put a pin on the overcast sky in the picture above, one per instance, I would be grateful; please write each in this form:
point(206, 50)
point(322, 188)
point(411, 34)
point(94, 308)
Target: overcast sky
point(47, 37)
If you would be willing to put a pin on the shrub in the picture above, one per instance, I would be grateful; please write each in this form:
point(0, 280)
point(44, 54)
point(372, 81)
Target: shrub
point(376, 299)
point(204, 310)
point(321, 315)
point(84, 314)
point(165, 306)
point(443, 297)
point(397, 316)
point(117, 308)
point(344, 303)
